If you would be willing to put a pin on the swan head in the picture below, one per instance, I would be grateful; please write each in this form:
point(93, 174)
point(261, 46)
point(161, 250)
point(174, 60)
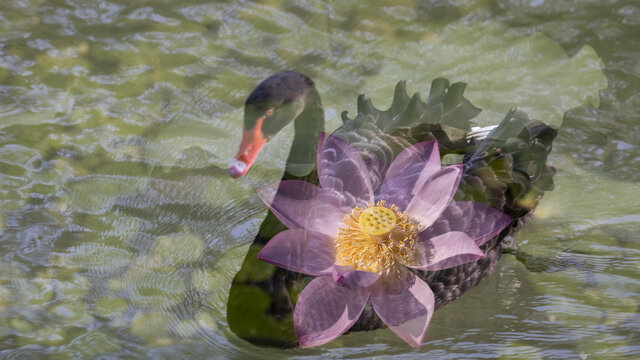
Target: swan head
point(273, 104)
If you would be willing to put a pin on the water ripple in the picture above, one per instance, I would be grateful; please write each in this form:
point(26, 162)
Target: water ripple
point(120, 230)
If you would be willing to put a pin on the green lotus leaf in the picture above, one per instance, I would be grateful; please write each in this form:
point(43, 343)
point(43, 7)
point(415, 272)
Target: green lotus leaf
point(151, 327)
point(47, 336)
point(518, 350)
point(35, 291)
point(98, 257)
point(151, 288)
point(5, 329)
point(89, 345)
point(111, 308)
point(178, 249)
point(73, 288)
point(5, 297)
point(97, 193)
point(70, 314)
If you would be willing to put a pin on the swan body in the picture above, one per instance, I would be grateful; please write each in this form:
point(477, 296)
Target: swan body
point(504, 167)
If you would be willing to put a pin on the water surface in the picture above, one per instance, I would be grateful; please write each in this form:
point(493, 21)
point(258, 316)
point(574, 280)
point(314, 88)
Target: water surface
point(120, 230)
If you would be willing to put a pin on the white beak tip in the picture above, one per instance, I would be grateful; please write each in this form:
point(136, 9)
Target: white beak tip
point(237, 168)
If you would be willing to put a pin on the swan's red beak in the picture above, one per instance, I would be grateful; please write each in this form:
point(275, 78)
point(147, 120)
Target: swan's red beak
point(252, 142)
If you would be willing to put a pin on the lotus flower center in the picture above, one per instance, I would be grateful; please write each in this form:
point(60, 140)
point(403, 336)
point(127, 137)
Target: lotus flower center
point(377, 220)
point(376, 238)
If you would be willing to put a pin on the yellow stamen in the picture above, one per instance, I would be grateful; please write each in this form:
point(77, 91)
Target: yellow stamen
point(376, 238)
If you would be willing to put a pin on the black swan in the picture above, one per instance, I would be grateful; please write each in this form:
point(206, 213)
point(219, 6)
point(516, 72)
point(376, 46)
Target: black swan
point(504, 168)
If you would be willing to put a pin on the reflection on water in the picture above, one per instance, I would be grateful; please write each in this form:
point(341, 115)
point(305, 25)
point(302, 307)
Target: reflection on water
point(120, 230)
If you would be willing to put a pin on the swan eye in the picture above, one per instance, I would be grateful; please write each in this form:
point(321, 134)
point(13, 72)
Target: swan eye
point(269, 112)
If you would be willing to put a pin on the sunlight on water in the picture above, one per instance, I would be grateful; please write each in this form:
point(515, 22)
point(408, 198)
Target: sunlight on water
point(120, 229)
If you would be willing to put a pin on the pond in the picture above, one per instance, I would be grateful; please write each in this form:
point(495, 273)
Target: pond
point(120, 229)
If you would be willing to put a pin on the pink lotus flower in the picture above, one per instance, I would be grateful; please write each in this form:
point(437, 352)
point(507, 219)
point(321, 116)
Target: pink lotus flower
point(359, 241)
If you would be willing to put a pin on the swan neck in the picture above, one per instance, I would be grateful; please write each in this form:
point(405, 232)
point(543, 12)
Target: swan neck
point(308, 127)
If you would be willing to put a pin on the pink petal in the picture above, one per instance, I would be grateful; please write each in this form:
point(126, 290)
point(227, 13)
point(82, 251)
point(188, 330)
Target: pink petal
point(409, 171)
point(405, 304)
point(301, 205)
point(341, 168)
point(325, 311)
point(301, 251)
point(445, 251)
point(479, 221)
point(346, 277)
point(435, 195)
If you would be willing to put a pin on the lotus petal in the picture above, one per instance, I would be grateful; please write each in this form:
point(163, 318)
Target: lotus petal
point(345, 276)
point(302, 251)
point(435, 195)
point(408, 173)
point(301, 205)
point(479, 221)
point(445, 251)
point(325, 311)
point(405, 304)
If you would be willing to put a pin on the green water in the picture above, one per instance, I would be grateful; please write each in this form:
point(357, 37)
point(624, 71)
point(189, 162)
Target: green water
point(120, 230)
